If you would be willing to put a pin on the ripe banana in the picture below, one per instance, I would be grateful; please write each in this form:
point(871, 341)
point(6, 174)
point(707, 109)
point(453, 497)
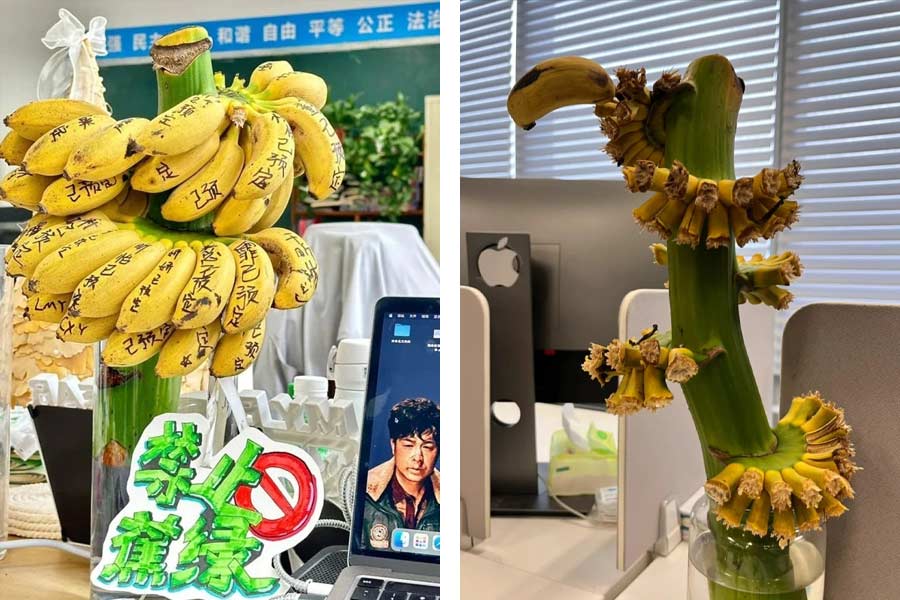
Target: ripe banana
point(207, 189)
point(127, 207)
point(66, 197)
point(276, 205)
point(13, 148)
point(23, 189)
point(237, 216)
point(103, 291)
point(298, 270)
point(203, 298)
point(237, 351)
point(177, 130)
point(37, 243)
point(161, 173)
point(85, 330)
point(108, 153)
point(62, 270)
point(297, 84)
point(555, 83)
point(48, 308)
point(271, 153)
point(187, 349)
point(316, 143)
point(34, 119)
point(254, 288)
point(265, 72)
point(129, 349)
point(49, 153)
point(152, 302)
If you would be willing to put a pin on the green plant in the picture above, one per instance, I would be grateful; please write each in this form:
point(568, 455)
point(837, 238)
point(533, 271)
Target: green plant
point(382, 146)
point(677, 141)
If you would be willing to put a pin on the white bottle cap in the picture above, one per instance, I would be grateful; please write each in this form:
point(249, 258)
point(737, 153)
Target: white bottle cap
point(353, 351)
point(309, 384)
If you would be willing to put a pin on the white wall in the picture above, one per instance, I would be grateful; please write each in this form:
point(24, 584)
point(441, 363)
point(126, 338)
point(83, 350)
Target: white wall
point(24, 22)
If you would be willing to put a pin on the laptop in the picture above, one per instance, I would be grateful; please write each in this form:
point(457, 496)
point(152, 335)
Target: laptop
point(395, 538)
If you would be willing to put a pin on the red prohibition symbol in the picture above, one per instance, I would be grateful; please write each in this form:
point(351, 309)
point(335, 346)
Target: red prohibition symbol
point(294, 517)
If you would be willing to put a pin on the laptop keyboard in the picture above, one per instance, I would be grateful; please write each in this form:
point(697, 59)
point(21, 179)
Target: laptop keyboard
point(372, 588)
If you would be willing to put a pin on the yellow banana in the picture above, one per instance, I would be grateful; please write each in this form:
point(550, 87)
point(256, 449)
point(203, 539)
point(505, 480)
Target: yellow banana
point(277, 203)
point(108, 153)
point(237, 216)
point(34, 119)
point(161, 173)
point(272, 152)
point(103, 291)
point(23, 189)
point(265, 72)
point(298, 270)
point(254, 287)
point(69, 197)
point(62, 270)
point(207, 189)
point(37, 223)
point(127, 206)
point(177, 130)
point(203, 298)
point(129, 349)
point(555, 83)
point(297, 84)
point(48, 308)
point(49, 153)
point(37, 243)
point(187, 349)
point(317, 144)
point(85, 330)
point(237, 351)
point(13, 148)
point(152, 302)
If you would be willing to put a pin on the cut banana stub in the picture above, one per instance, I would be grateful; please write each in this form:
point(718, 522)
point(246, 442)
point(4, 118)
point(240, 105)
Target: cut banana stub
point(806, 476)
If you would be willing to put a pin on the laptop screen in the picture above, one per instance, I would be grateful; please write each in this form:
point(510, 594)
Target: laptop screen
point(397, 511)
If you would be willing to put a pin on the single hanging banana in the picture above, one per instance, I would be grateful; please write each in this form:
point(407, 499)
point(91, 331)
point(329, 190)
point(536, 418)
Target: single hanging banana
point(108, 153)
point(63, 269)
point(177, 130)
point(34, 119)
point(298, 270)
point(66, 197)
point(237, 216)
point(254, 288)
point(161, 173)
point(208, 188)
point(305, 86)
point(130, 349)
point(85, 330)
point(265, 72)
point(237, 351)
point(203, 298)
point(152, 302)
point(50, 152)
point(277, 203)
point(272, 152)
point(188, 349)
point(13, 148)
point(24, 190)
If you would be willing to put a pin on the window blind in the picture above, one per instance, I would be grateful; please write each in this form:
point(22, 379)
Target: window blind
point(486, 74)
point(842, 122)
point(659, 36)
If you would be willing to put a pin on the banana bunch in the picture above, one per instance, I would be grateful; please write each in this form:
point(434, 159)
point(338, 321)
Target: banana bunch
point(690, 209)
point(644, 364)
point(798, 487)
point(113, 251)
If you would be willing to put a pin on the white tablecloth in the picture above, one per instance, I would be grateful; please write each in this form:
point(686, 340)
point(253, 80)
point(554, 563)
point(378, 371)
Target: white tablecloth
point(358, 264)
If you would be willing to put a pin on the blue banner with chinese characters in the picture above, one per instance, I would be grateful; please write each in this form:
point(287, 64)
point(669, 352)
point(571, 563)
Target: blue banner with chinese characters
point(356, 26)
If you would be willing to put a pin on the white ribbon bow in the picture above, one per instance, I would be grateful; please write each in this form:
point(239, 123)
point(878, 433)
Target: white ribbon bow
point(59, 77)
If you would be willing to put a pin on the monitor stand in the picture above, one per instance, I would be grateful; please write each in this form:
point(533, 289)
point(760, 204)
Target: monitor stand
point(540, 504)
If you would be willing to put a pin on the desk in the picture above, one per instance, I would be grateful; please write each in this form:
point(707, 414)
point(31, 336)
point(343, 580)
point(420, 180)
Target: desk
point(44, 574)
point(566, 558)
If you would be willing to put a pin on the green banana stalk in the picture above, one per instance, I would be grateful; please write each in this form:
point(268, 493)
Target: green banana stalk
point(677, 141)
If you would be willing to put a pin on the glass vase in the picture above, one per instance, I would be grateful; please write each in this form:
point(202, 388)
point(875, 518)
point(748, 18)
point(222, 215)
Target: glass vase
point(733, 564)
point(127, 400)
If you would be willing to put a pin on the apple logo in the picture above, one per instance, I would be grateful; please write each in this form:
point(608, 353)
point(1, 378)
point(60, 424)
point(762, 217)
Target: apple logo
point(499, 266)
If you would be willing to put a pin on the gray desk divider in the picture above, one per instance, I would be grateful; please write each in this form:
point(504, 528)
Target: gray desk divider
point(850, 354)
point(659, 454)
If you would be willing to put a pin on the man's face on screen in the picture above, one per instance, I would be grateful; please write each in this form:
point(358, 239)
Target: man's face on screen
point(414, 456)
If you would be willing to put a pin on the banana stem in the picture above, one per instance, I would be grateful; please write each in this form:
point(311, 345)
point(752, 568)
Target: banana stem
point(183, 65)
point(723, 397)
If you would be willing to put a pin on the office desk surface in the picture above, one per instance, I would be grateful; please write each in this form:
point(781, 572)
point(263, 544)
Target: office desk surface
point(44, 574)
point(537, 558)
